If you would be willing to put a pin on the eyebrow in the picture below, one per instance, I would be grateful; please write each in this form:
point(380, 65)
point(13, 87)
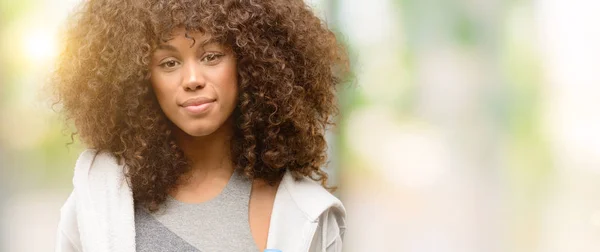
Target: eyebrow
point(171, 48)
point(166, 47)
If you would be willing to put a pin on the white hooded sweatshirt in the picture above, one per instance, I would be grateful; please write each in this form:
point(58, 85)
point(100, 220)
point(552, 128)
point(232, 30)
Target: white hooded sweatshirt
point(99, 213)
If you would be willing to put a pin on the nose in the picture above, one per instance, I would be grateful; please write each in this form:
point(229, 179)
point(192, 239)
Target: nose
point(192, 77)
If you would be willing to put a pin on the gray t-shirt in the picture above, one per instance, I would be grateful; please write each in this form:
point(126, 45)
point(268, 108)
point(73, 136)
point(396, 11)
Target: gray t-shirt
point(220, 224)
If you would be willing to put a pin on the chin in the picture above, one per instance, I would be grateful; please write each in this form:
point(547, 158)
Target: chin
point(198, 131)
point(201, 127)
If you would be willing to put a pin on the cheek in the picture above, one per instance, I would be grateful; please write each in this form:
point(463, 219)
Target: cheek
point(232, 82)
point(158, 92)
point(226, 84)
point(162, 91)
point(231, 90)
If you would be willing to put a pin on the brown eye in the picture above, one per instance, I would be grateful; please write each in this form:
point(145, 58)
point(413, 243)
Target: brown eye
point(211, 57)
point(169, 64)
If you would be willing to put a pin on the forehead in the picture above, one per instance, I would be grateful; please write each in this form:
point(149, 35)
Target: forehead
point(180, 35)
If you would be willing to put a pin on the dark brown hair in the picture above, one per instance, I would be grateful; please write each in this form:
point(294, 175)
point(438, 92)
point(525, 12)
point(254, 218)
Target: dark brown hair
point(289, 63)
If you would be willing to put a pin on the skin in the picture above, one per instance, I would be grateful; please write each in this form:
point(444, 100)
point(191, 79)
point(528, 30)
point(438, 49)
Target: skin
point(184, 68)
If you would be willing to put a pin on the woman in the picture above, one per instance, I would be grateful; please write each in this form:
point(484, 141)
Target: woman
point(205, 125)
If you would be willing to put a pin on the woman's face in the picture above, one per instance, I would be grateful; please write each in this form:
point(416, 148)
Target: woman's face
point(195, 82)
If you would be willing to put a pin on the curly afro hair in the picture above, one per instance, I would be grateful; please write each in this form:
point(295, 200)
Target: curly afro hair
point(288, 61)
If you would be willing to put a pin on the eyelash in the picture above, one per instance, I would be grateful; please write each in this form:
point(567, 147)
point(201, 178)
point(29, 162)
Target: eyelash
point(215, 57)
point(164, 64)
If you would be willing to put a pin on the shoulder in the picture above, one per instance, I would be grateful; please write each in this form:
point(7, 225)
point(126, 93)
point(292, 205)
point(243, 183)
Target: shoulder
point(100, 195)
point(100, 160)
point(99, 174)
point(311, 198)
point(91, 168)
point(93, 164)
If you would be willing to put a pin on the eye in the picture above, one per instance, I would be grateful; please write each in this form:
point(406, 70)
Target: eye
point(169, 64)
point(211, 57)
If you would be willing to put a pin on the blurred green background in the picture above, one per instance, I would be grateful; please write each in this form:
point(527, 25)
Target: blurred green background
point(469, 126)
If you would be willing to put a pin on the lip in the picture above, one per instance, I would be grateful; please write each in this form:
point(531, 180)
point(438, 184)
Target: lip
point(196, 101)
point(197, 105)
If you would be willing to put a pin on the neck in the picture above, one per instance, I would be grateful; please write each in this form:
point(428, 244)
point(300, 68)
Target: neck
point(209, 156)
